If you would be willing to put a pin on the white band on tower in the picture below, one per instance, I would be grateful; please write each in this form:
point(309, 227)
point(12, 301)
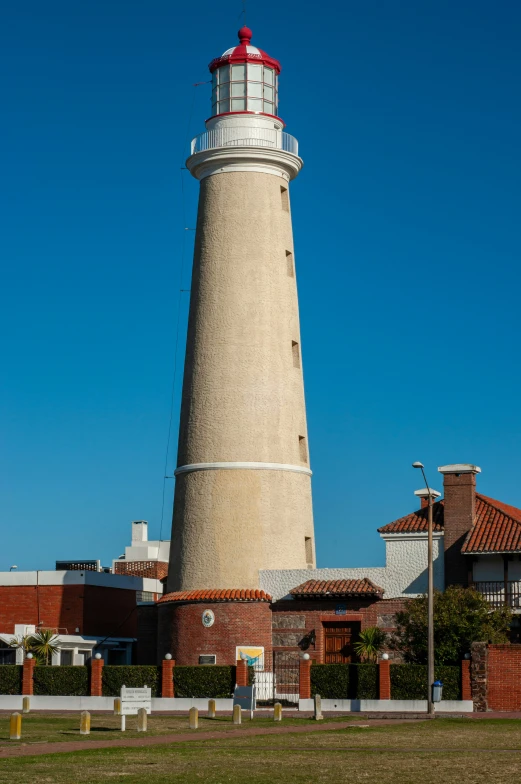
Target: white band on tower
point(186, 469)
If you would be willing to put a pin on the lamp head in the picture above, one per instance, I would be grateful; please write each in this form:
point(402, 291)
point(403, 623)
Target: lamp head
point(168, 656)
point(417, 465)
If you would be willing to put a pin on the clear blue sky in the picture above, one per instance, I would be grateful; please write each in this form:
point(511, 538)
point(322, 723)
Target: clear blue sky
point(406, 220)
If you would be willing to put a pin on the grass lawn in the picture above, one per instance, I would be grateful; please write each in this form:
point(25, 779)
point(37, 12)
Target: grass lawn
point(463, 751)
point(49, 728)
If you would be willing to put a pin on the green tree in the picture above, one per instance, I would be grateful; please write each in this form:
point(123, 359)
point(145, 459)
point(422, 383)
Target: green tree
point(43, 644)
point(461, 616)
point(369, 644)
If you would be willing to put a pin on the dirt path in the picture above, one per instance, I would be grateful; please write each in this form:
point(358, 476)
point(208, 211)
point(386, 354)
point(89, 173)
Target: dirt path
point(36, 749)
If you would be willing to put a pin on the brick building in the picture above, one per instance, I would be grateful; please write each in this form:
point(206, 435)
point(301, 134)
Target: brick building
point(477, 541)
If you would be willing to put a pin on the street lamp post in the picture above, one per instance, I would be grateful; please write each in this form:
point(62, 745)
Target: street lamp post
point(430, 494)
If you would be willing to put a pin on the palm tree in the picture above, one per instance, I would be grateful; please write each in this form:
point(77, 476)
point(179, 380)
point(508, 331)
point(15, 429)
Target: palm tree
point(370, 643)
point(44, 643)
point(23, 642)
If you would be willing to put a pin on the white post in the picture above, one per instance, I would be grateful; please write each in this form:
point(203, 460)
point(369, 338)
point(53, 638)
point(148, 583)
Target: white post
point(123, 727)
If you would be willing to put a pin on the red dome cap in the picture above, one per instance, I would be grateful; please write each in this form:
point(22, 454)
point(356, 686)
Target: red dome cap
point(245, 53)
point(245, 35)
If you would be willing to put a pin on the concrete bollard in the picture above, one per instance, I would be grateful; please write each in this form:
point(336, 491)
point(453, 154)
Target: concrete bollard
point(117, 706)
point(237, 714)
point(318, 708)
point(193, 718)
point(277, 712)
point(142, 720)
point(26, 702)
point(85, 723)
point(211, 709)
point(15, 726)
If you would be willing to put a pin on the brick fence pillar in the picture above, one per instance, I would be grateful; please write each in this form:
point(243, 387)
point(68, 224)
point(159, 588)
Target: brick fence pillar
point(466, 689)
point(27, 676)
point(305, 679)
point(242, 672)
point(479, 675)
point(384, 679)
point(96, 677)
point(167, 678)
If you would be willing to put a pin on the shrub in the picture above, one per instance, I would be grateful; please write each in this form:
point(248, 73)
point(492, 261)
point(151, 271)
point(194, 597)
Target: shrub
point(409, 681)
point(66, 681)
point(204, 681)
point(364, 681)
point(131, 675)
point(345, 681)
point(11, 679)
point(461, 616)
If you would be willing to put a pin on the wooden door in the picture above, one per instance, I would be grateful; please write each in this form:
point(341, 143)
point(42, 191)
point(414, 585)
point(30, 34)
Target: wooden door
point(338, 642)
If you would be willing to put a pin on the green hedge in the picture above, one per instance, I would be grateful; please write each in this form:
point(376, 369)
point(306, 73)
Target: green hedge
point(11, 679)
point(345, 681)
point(409, 681)
point(131, 675)
point(204, 681)
point(63, 681)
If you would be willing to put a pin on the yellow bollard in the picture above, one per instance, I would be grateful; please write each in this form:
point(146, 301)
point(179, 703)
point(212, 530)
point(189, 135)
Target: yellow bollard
point(237, 714)
point(26, 702)
point(15, 726)
point(85, 723)
point(117, 706)
point(277, 712)
point(142, 720)
point(211, 709)
point(193, 718)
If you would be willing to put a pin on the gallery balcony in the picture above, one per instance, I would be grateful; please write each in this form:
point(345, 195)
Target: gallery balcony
point(246, 136)
point(500, 594)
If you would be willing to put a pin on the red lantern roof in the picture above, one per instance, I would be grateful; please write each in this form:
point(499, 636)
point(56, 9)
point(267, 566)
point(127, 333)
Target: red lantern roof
point(244, 53)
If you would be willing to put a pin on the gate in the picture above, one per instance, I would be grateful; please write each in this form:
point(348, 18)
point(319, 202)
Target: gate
point(278, 680)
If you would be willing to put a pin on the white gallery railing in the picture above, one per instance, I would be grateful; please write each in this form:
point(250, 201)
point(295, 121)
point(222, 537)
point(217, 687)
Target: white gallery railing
point(244, 137)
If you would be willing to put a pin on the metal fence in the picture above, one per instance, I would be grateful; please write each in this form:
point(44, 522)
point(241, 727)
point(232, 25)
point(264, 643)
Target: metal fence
point(278, 680)
point(500, 594)
point(244, 137)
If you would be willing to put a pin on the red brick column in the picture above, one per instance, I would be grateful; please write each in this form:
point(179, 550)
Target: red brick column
point(167, 678)
point(96, 677)
point(242, 672)
point(27, 676)
point(384, 679)
point(305, 679)
point(466, 688)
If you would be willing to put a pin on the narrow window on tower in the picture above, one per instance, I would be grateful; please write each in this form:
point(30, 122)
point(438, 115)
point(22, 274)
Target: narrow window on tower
point(296, 353)
point(303, 450)
point(284, 195)
point(289, 264)
point(308, 542)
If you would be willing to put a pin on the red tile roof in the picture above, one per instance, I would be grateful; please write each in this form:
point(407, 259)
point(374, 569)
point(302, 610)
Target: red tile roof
point(218, 595)
point(416, 522)
point(496, 529)
point(333, 588)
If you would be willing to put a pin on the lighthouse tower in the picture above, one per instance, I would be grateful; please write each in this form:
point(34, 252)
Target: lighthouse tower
point(243, 480)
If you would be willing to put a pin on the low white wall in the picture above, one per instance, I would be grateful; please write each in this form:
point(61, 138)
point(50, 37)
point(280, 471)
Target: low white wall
point(14, 703)
point(409, 706)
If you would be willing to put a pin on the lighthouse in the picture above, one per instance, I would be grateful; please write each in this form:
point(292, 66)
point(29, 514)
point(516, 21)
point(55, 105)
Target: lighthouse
point(242, 498)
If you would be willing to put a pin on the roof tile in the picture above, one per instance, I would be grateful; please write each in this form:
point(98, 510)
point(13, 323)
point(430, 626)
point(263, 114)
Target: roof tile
point(332, 588)
point(496, 529)
point(218, 595)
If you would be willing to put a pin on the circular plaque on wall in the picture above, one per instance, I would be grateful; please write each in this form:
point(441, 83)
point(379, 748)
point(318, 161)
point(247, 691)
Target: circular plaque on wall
point(208, 618)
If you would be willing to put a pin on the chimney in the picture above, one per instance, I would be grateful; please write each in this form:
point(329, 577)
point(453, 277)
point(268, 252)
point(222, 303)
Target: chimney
point(459, 484)
point(139, 531)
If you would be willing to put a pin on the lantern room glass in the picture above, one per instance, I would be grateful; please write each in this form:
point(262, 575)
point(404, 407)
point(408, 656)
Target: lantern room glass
point(251, 86)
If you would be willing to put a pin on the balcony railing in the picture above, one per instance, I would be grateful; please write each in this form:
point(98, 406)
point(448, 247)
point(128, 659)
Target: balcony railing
point(244, 137)
point(496, 595)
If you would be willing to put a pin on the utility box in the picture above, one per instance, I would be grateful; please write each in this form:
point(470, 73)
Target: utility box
point(437, 689)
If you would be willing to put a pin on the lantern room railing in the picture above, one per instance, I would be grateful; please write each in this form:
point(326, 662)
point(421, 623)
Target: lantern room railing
point(500, 594)
point(244, 137)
